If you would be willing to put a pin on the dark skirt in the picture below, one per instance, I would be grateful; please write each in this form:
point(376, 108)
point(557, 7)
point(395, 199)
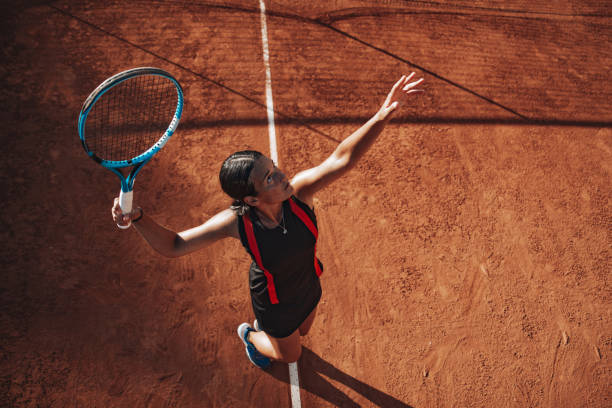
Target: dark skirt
point(282, 319)
point(288, 258)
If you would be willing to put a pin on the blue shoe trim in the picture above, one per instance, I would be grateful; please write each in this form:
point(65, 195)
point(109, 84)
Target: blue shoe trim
point(257, 358)
point(246, 336)
point(253, 354)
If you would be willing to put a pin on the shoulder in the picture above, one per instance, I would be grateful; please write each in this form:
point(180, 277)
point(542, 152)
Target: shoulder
point(308, 206)
point(225, 223)
point(301, 190)
point(306, 183)
point(305, 198)
point(230, 220)
point(301, 183)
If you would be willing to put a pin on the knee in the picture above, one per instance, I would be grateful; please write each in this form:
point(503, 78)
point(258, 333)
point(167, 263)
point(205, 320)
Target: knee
point(291, 356)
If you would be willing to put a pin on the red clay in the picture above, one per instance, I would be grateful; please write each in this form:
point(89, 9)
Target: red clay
point(467, 257)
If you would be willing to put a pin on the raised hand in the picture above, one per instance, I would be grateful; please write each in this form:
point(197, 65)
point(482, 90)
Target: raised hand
point(399, 91)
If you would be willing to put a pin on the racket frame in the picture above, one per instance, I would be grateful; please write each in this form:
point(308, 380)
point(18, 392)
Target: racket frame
point(127, 183)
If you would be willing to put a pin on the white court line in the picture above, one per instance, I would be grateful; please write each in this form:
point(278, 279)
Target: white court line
point(293, 368)
point(269, 101)
point(295, 385)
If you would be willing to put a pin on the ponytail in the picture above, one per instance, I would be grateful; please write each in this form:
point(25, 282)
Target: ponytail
point(240, 207)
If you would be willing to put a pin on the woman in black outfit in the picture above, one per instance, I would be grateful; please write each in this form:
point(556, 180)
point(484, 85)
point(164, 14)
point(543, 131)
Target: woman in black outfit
point(275, 221)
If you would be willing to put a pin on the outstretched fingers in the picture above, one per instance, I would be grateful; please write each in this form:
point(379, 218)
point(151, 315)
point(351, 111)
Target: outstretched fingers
point(409, 77)
point(398, 84)
point(408, 87)
point(405, 85)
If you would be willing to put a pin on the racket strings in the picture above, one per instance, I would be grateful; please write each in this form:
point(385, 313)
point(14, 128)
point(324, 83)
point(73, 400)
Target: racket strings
point(131, 117)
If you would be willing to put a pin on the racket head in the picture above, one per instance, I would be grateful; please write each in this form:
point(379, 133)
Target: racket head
point(130, 116)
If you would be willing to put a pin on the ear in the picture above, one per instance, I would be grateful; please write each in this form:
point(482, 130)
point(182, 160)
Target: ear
point(250, 200)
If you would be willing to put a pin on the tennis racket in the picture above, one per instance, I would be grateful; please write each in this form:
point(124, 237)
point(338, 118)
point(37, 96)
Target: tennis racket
point(127, 119)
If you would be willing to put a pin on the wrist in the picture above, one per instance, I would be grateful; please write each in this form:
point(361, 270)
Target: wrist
point(382, 116)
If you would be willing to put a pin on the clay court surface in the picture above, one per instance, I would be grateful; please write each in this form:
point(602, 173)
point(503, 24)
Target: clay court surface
point(467, 257)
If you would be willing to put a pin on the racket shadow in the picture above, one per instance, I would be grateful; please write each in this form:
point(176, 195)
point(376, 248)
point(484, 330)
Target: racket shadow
point(314, 373)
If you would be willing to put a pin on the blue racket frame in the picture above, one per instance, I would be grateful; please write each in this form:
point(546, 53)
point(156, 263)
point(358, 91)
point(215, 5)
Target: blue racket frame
point(127, 183)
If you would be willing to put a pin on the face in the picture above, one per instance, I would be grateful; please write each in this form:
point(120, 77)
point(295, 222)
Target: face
point(271, 184)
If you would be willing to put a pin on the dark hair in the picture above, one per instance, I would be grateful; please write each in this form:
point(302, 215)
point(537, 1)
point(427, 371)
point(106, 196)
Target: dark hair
point(235, 180)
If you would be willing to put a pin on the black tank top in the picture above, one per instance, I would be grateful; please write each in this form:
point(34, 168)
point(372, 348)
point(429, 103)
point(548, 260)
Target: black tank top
point(286, 268)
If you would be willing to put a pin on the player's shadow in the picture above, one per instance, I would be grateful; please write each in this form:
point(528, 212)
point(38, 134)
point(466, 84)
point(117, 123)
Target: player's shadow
point(314, 373)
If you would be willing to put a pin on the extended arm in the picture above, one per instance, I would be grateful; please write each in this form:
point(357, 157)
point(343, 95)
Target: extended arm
point(172, 244)
point(346, 155)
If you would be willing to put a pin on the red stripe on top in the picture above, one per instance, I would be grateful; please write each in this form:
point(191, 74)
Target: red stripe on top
point(297, 210)
point(248, 227)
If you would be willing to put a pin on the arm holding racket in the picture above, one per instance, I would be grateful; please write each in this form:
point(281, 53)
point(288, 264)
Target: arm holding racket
point(346, 155)
point(172, 244)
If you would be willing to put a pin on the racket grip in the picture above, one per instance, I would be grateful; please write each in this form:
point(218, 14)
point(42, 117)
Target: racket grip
point(125, 202)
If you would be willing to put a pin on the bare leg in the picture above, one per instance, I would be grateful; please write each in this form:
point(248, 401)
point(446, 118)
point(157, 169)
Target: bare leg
point(307, 324)
point(288, 349)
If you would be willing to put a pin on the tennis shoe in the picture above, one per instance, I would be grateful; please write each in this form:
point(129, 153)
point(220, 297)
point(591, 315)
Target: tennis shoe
point(253, 354)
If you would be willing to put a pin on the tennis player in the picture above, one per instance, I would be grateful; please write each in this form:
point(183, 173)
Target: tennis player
point(274, 219)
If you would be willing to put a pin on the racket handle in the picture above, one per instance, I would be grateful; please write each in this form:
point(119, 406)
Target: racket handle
point(125, 202)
